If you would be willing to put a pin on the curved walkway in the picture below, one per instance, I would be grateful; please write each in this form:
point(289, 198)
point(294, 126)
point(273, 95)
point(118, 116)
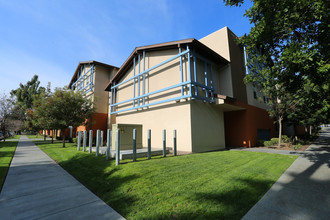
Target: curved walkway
point(38, 188)
point(303, 191)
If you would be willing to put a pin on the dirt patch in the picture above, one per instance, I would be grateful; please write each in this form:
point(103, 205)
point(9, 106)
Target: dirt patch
point(287, 147)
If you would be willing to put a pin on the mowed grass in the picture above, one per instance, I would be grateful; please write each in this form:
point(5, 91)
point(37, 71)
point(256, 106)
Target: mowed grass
point(216, 185)
point(7, 151)
point(33, 136)
point(14, 137)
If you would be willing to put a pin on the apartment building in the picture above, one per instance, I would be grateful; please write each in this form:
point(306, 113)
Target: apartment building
point(195, 87)
point(90, 78)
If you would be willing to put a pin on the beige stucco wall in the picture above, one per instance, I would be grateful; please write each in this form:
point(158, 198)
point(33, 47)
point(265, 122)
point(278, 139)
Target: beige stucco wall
point(259, 101)
point(101, 79)
point(237, 67)
point(111, 118)
point(199, 125)
point(218, 41)
point(171, 116)
point(224, 43)
point(207, 127)
point(223, 81)
point(165, 76)
point(83, 71)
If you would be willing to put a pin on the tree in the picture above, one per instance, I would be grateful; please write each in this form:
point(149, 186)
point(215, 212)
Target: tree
point(62, 109)
point(6, 107)
point(25, 95)
point(289, 51)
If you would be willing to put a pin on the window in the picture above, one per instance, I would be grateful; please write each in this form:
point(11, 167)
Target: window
point(254, 92)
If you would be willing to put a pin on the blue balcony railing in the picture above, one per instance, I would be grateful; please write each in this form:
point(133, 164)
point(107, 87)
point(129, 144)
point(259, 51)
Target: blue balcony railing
point(190, 89)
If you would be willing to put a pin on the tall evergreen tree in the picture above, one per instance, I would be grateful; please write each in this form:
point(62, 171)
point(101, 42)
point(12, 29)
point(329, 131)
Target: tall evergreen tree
point(25, 95)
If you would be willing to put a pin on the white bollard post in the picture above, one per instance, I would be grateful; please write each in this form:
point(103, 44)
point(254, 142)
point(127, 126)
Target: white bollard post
point(174, 142)
point(90, 140)
point(84, 140)
point(149, 144)
point(134, 145)
point(117, 147)
point(97, 142)
point(164, 143)
point(101, 139)
point(78, 141)
point(108, 143)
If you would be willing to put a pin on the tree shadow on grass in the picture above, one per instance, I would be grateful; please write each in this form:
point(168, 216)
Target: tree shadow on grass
point(8, 144)
point(100, 176)
point(232, 204)
point(303, 191)
point(7, 153)
point(3, 173)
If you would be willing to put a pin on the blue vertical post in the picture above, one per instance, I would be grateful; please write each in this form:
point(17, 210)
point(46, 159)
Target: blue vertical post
point(139, 60)
point(134, 144)
point(90, 140)
point(92, 75)
point(134, 82)
point(189, 70)
point(164, 143)
point(181, 71)
point(101, 139)
point(108, 143)
point(174, 142)
point(113, 96)
point(245, 61)
point(144, 77)
point(195, 75)
point(117, 147)
point(78, 141)
point(211, 77)
point(112, 100)
point(149, 144)
point(111, 93)
point(84, 140)
point(97, 142)
point(206, 81)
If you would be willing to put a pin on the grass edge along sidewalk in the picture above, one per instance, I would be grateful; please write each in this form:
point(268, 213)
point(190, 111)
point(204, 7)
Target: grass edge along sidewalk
point(214, 185)
point(7, 151)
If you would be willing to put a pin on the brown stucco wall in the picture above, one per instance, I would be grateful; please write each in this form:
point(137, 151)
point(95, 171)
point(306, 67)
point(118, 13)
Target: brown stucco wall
point(241, 126)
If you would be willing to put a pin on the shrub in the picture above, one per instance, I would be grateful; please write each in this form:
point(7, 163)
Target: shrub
point(261, 142)
point(274, 141)
point(297, 146)
point(286, 139)
point(268, 143)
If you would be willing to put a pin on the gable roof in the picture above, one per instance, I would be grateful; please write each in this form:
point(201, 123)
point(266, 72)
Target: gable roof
point(74, 77)
point(198, 47)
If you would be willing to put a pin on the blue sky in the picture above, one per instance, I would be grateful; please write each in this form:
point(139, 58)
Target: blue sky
point(50, 37)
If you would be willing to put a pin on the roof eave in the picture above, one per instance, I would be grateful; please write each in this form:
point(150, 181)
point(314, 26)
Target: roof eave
point(88, 62)
point(191, 41)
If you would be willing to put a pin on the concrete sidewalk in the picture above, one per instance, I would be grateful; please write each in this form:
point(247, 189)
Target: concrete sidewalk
point(303, 191)
point(38, 188)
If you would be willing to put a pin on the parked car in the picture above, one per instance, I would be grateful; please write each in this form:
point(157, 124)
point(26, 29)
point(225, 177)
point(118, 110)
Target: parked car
point(1, 136)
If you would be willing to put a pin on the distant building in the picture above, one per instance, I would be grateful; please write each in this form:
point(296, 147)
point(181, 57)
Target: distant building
point(90, 78)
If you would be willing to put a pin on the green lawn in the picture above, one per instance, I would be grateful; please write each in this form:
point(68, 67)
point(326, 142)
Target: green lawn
point(33, 136)
point(217, 185)
point(7, 151)
point(14, 137)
